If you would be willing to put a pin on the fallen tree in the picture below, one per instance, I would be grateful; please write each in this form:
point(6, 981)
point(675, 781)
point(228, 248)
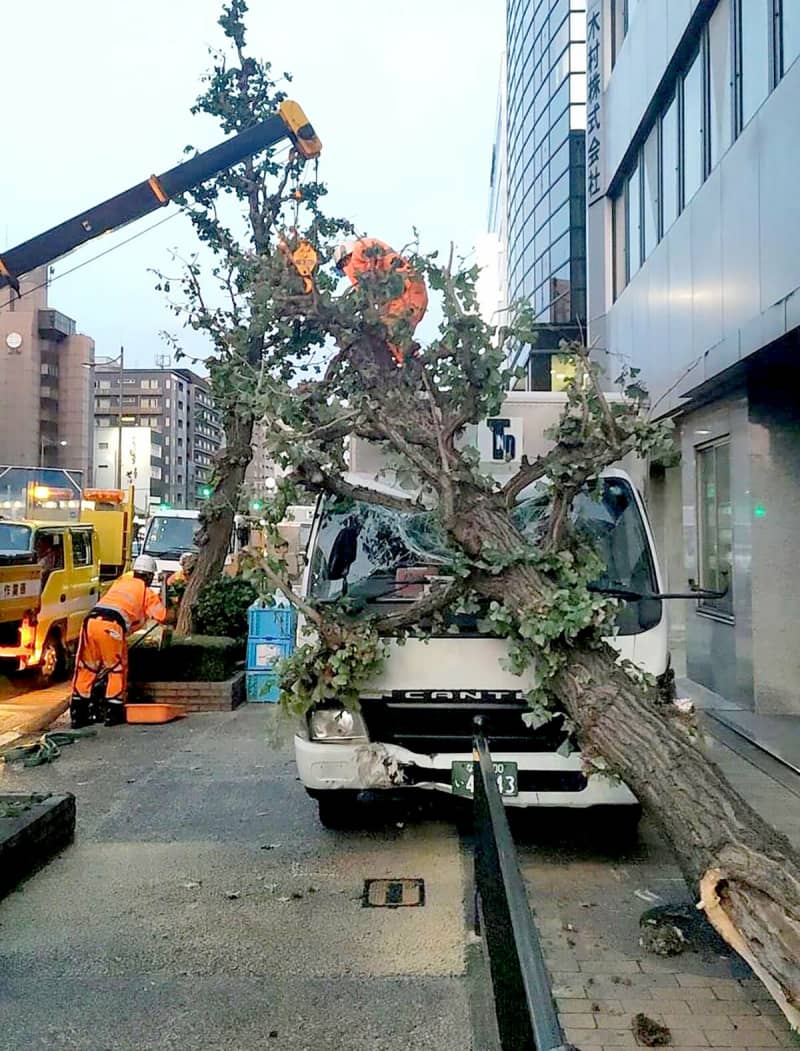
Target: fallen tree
point(536, 590)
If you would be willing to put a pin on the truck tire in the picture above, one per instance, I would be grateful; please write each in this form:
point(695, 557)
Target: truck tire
point(338, 809)
point(53, 664)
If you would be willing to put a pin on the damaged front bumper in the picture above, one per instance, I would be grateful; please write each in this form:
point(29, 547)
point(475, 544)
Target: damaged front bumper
point(546, 779)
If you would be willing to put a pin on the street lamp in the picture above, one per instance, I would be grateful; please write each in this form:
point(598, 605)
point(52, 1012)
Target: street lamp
point(119, 360)
point(45, 443)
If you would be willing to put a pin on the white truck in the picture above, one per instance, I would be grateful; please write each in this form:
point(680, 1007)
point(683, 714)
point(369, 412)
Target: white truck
point(170, 533)
point(414, 729)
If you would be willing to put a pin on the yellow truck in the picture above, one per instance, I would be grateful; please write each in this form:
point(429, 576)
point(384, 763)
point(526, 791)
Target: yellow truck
point(52, 573)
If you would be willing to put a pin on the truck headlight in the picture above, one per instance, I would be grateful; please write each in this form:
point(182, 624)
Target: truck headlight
point(336, 724)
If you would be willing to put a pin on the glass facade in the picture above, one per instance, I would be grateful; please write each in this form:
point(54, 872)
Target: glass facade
point(546, 42)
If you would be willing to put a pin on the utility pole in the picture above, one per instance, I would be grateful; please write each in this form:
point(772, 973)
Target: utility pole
point(119, 417)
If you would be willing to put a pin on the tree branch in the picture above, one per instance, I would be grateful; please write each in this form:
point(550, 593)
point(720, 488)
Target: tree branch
point(313, 477)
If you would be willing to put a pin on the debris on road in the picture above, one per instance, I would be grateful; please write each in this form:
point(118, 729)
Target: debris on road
point(650, 1033)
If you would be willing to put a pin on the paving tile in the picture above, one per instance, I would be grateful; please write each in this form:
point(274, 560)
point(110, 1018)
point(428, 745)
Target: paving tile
point(688, 1037)
point(741, 1038)
point(600, 1037)
point(619, 968)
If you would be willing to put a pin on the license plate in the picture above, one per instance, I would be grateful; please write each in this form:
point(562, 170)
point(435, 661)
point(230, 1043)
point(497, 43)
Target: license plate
point(462, 778)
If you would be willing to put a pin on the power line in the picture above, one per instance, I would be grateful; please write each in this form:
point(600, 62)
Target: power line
point(94, 259)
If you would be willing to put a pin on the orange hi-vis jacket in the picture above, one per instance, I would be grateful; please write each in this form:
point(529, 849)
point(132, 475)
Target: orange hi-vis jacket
point(134, 601)
point(372, 255)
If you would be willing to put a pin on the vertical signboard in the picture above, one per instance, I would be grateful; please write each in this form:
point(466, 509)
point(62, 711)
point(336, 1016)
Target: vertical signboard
point(594, 101)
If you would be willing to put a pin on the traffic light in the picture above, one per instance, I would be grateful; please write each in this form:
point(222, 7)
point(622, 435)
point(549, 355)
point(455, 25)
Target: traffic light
point(205, 492)
point(165, 506)
point(256, 505)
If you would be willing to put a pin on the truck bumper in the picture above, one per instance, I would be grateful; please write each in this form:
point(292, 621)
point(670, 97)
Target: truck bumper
point(545, 778)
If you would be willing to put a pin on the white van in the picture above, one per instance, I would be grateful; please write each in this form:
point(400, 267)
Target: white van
point(416, 720)
point(171, 532)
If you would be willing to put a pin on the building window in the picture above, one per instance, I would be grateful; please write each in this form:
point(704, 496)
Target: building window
point(692, 129)
point(754, 46)
point(669, 165)
point(715, 522)
point(633, 224)
point(619, 26)
point(651, 196)
point(720, 94)
point(790, 31)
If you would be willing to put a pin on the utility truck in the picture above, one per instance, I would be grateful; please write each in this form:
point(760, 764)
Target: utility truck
point(415, 724)
point(60, 547)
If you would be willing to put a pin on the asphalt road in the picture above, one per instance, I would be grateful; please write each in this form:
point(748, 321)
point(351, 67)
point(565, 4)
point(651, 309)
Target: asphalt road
point(203, 907)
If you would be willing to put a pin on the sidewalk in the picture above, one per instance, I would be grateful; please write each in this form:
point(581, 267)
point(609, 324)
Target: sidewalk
point(761, 774)
point(32, 712)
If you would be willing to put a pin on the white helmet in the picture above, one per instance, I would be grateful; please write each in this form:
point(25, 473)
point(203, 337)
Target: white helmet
point(343, 250)
point(145, 564)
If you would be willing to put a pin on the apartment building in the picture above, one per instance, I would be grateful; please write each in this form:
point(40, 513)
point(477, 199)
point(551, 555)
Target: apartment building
point(177, 405)
point(45, 380)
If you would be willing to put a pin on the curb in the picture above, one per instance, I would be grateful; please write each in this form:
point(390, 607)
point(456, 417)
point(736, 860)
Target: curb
point(22, 716)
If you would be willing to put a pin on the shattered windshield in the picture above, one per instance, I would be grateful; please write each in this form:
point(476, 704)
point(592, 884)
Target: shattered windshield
point(377, 555)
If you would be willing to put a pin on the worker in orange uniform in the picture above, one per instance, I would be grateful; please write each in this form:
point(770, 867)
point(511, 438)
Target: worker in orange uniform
point(355, 258)
point(103, 647)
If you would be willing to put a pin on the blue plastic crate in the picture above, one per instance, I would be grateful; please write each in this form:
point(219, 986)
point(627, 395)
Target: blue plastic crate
point(262, 687)
point(272, 622)
point(263, 654)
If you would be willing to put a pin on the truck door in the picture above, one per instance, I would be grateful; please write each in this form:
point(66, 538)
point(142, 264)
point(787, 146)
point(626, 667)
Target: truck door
point(84, 578)
point(49, 546)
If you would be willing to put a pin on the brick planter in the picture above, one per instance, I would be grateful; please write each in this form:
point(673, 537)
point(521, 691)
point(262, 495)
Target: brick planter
point(193, 696)
point(30, 838)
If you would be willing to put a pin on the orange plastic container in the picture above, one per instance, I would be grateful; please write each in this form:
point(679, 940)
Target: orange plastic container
point(152, 713)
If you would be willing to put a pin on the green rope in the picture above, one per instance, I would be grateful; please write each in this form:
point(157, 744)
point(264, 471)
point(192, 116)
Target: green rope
point(46, 748)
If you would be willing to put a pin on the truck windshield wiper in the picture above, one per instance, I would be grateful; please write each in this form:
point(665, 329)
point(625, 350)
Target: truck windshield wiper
point(615, 590)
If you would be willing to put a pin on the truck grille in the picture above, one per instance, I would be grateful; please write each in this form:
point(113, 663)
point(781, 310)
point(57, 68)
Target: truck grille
point(433, 721)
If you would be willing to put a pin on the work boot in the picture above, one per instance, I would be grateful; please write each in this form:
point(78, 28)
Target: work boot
point(115, 713)
point(79, 713)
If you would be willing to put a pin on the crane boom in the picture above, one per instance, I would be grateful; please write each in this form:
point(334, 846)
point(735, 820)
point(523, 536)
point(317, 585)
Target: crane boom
point(289, 122)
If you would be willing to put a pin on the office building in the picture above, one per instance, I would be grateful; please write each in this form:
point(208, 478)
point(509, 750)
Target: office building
point(175, 403)
point(694, 277)
point(544, 180)
point(491, 248)
point(47, 402)
point(139, 464)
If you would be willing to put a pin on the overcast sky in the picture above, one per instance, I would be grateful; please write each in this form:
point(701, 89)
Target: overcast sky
point(97, 96)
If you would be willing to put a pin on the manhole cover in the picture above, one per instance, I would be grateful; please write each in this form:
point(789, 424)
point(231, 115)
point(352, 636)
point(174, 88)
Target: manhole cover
point(393, 893)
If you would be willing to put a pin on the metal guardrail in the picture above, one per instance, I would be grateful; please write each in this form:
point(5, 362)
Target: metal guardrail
point(526, 1013)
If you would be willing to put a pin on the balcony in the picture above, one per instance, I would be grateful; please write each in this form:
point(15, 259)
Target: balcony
point(54, 325)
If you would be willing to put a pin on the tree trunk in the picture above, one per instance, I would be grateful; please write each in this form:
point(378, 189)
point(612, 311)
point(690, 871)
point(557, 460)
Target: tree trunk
point(745, 874)
point(215, 534)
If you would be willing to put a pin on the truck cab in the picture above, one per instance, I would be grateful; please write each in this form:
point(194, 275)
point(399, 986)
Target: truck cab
point(49, 580)
point(170, 533)
point(415, 724)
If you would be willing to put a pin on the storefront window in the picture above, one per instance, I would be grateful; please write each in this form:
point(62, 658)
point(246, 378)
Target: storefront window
point(715, 518)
